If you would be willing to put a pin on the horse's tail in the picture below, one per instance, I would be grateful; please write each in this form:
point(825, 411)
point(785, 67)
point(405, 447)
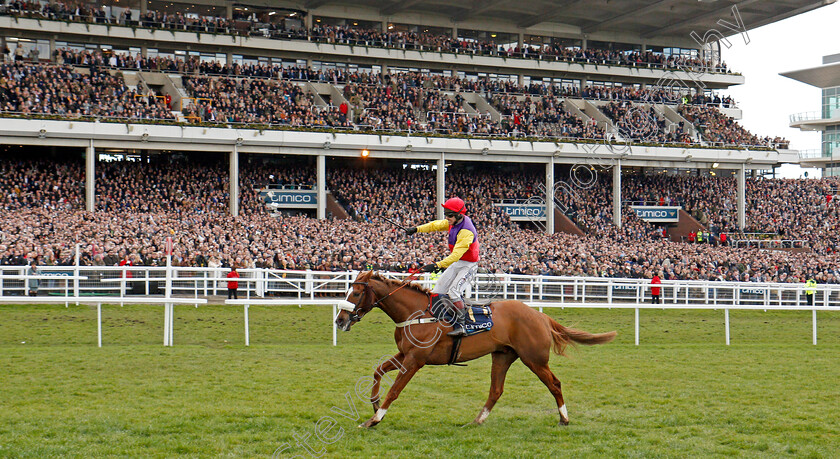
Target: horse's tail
point(562, 336)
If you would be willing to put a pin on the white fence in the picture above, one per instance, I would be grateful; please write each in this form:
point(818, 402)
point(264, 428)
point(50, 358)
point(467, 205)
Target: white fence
point(538, 291)
point(209, 282)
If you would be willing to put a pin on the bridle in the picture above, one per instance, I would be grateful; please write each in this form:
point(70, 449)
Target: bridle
point(354, 316)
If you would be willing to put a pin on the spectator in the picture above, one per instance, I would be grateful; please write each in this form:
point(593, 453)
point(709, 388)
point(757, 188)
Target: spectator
point(655, 290)
point(232, 285)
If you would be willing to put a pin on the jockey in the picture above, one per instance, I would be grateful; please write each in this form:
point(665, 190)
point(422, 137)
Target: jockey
point(460, 265)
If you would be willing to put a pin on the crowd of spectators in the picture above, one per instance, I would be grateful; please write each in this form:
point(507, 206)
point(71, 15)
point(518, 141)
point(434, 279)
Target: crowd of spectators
point(186, 199)
point(257, 101)
point(261, 94)
point(723, 130)
point(65, 91)
point(354, 35)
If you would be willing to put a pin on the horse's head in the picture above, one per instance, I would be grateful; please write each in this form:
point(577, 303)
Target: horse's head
point(361, 295)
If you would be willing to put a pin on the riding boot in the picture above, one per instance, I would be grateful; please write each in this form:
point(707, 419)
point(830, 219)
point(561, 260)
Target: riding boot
point(460, 320)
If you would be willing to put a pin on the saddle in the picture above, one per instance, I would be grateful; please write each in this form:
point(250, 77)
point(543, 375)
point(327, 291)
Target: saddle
point(479, 318)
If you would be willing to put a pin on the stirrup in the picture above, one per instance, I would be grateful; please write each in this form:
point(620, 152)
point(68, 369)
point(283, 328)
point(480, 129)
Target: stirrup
point(460, 319)
point(457, 330)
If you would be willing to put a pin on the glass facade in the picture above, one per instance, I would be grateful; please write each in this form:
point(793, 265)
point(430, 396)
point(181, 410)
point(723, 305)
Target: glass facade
point(831, 141)
point(831, 102)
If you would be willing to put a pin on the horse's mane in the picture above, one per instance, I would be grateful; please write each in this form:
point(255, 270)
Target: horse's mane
point(396, 283)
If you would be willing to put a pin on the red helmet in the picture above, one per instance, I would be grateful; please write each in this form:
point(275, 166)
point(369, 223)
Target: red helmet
point(455, 205)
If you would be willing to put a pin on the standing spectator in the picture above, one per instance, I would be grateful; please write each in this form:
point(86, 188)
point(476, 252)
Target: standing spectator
point(655, 291)
point(723, 239)
point(6, 53)
point(343, 110)
point(810, 286)
point(232, 284)
point(33, 283)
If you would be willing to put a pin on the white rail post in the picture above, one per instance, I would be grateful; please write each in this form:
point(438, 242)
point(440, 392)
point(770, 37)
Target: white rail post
point(814, 325)
point(247, 331)
point(76, 274)
point(171, 324)
point(166, 324)
point(99, 323)
point(637, 326)
point(334, 316)
point(726, 321)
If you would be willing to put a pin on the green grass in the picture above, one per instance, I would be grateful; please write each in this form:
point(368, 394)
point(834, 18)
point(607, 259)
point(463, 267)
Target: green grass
point(682, 393)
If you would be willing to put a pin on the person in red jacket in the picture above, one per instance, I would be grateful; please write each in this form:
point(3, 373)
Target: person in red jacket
point(654, 290)
point(233, 285)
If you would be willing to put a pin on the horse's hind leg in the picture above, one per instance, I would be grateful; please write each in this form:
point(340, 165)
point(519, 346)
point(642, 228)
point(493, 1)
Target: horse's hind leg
point(391, 364)
point(547, 377)
point(501, 362)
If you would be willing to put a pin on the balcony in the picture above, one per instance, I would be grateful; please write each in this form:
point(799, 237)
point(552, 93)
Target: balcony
point(812, 121)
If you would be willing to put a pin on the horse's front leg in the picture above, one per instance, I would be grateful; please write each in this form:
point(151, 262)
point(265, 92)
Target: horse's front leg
point(411, 366)
point(391, 364)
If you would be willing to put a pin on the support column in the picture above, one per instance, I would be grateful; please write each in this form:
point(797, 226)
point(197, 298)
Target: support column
point(384, 26)
point(51, 57)
point(234, 182)
point(307, 21)
point(229, 10)
point(520, 80)
point(90, 178)
point(549, 196)
point(454, 31)
point(384, 69)
point(521, 41)
point(322, 187)
point(583, 82)
point(583, 43)
point(742, 198)
point(617, 193)
point(144, 6)
point(441, 188)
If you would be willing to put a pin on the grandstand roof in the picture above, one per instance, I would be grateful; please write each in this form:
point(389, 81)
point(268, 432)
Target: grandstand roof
point(824, 76)
point(647, 19)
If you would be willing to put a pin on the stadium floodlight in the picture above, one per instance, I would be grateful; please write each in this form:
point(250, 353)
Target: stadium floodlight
point(327, 145)
point(688, 157)
point(484, 151)
point(715, 165)
point(239, 141)
point(408, 147)
point(144, 137)
point(42, 134)
point(365, 153)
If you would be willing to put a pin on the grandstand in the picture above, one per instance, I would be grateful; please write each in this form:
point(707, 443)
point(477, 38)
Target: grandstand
point(239, 131)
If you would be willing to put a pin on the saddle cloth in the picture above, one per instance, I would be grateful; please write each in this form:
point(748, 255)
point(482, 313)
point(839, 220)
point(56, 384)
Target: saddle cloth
point(479, 318)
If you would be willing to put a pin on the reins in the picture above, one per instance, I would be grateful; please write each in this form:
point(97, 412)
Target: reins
point(355, 317)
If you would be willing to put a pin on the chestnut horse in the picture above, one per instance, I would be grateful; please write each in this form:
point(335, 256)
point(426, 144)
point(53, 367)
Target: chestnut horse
point(519, 332)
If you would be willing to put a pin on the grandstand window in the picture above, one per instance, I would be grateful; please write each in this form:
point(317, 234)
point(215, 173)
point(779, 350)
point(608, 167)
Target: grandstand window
point(350, 23)
point(831, 141)
point(831, 102)
point(415, 28)
point(498, 38)
point(32, 49)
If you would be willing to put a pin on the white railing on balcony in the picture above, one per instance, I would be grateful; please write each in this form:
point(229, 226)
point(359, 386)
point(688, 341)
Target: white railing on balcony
point(804, 116)
point(810, 153)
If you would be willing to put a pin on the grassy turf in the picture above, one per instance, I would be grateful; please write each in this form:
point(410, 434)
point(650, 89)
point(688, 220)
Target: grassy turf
point(681, 393)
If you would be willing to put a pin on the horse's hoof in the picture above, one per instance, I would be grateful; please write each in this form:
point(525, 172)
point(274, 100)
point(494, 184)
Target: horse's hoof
point(563, 424)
